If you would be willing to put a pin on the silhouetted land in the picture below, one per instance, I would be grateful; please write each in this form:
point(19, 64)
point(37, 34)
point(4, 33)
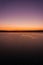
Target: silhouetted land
point(21, 31)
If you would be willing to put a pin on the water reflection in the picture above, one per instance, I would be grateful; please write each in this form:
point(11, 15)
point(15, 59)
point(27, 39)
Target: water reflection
point(14, 35)
point(33, 35)
point(22, 46)
point(21, 40)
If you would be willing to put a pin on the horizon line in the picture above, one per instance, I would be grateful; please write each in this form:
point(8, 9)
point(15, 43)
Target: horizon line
point(21, 30)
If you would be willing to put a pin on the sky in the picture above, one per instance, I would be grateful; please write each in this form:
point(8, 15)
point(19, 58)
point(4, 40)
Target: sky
point(21, 14)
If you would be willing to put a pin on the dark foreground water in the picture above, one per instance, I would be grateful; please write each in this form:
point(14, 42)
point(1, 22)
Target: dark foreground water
point(21, 48)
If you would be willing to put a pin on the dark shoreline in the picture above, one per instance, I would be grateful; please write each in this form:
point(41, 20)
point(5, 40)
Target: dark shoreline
point(22, 31)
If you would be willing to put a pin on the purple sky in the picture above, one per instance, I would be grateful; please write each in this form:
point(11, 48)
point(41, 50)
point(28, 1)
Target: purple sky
point(21, 13)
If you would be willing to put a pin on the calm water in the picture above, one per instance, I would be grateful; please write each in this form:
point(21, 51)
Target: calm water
point(22, 47)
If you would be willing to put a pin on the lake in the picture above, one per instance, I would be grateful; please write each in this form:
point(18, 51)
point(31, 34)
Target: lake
point(21, 47)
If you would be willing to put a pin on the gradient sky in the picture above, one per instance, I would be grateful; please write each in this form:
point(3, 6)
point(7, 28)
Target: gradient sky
point(21, 14)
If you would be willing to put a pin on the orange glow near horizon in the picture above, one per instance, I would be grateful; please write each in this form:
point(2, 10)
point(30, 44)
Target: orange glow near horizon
point(21, 28)
point(21, 15)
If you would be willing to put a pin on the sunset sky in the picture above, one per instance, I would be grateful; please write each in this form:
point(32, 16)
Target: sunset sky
point(21, 14)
